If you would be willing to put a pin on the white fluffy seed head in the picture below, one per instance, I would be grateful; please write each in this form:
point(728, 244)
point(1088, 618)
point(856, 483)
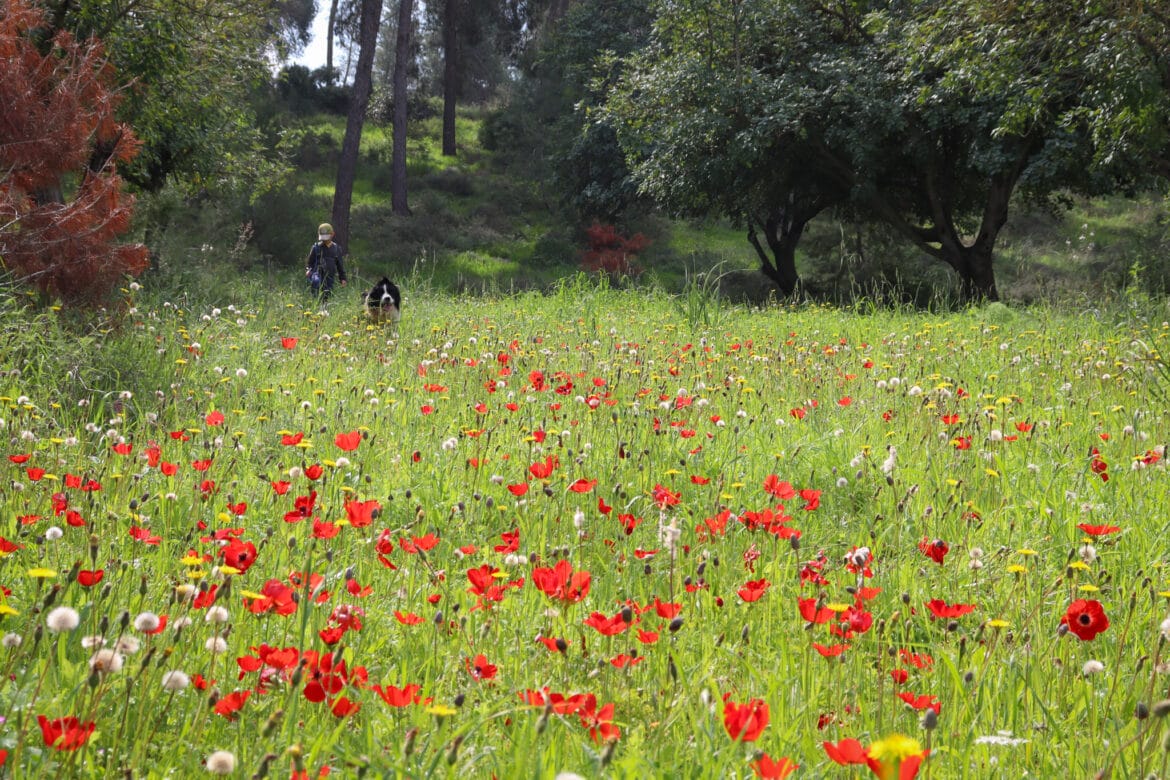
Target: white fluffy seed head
point(106, 661)
point(146, 622)
point(62, 619)
point(221, 762)
point(175, 680)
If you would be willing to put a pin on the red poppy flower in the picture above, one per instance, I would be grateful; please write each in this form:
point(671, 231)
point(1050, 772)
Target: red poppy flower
point(238, 554)
point(291, 439)
point(1086, 618)
point(941, 609)
point(288, 342)
point(480, 669)
point(398, 697)
point(1098, 530)
point(123, 448)
point(511, 542)
point(168, 469)
point(201, 465)
point(774, 769)
point(780, 489)
point(921, 701)
point(745, 722)
point(847, 751)
point(518, 489)
point(935, 549)
point(407, 618)
point(314, 472)
point(214, 418)
point(362, 513)
point(622, 660)
point(343, 707)
point(19, 460)
point(144, 535)
point(348, 442)
point(87, 579)
point(664, 497)
point(831, 651)
point(562, 583)
point(607, 626)
point(229, 705)
point(543, 469)
point(583, 485)
point(809, 611)
point(753, 590)
point(65, 733)
point(324, 530)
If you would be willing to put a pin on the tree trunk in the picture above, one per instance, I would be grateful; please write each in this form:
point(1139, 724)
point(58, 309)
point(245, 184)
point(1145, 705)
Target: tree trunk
point(371, 17)
point(450, 73)
point(401, 64)
point(329, 42)
point(976, 271)
point(782, 236)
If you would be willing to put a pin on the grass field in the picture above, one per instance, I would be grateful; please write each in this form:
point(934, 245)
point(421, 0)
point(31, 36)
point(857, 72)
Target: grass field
point(614, 533)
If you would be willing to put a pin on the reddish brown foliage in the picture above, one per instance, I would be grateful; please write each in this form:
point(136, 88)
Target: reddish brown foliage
point(611, 252)
point(61, 200)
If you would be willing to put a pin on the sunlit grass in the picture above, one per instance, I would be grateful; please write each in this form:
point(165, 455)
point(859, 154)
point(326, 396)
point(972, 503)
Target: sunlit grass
point(736, 487)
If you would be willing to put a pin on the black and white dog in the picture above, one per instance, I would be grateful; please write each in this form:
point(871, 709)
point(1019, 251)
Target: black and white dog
point(384, 302)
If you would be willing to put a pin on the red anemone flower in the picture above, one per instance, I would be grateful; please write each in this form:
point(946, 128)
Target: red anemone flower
point(1086, 618)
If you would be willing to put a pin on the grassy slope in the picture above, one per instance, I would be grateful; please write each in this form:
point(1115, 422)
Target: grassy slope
point(476, 227)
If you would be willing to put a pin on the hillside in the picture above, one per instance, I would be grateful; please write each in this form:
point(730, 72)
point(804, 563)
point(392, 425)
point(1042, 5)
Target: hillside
point(478, 226)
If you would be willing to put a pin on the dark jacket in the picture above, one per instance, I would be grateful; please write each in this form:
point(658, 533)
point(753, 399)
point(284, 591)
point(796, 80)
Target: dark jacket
point(327, 260)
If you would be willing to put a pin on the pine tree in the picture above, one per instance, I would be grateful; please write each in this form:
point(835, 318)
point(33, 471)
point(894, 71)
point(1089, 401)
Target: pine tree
point(61, 201)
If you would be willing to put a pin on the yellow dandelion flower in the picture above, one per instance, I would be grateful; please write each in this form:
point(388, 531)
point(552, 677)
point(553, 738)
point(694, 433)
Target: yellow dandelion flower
point(41, 573)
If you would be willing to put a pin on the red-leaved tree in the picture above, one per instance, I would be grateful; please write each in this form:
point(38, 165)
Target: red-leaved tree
point(61, 199)
point(611, 252)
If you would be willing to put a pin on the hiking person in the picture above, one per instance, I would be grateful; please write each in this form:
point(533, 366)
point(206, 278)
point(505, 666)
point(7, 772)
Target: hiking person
point(325, 264)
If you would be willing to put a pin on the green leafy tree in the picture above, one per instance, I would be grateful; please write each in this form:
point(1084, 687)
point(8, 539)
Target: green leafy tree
point(928, 116)
point(188, 69)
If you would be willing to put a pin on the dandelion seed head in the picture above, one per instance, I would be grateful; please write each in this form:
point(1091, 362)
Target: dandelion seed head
point(92, 641)
point(175, 680)
point(62, 619)
point(106, 661)
point(216, 645)
point(53, 533)
point(1092, 667)
point(221, 762)
point(217, 614)
point(146, 622)
point(127, 645)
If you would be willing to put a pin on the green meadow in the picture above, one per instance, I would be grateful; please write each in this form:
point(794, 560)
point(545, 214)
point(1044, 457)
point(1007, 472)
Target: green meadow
point(606, 532)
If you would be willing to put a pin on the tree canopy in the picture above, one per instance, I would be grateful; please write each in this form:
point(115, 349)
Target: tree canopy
point(926, 116)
